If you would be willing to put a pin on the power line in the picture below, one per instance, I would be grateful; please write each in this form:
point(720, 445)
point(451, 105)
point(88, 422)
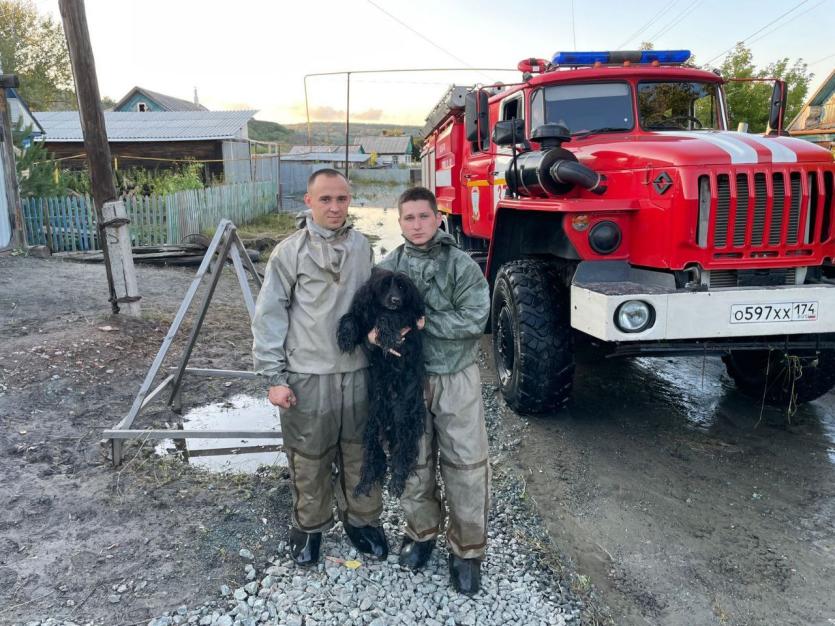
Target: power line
point(421, 35)
point(789, 21)
point(573, 30)
point(757, 32)
point(676, 20)
point(829, 56)
point(651, 21)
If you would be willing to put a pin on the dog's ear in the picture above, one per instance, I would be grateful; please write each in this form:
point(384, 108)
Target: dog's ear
point(412, 300)
point(363, 308)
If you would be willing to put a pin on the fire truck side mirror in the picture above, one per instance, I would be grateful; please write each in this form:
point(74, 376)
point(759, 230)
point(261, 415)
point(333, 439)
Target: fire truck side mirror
point(476, 124)
point(509, 132)
point(777, 110)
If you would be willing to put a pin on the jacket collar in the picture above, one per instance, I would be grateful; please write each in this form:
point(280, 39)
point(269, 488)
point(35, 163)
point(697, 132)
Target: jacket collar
point(432, 247)
point(305, 220)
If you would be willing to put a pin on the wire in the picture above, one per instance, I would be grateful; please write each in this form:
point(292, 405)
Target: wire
point(766, 34)
point(573, 29)
point(676, 20)
point(421, 35)
point(757, 32)
point(652, 21)
point(829, 56)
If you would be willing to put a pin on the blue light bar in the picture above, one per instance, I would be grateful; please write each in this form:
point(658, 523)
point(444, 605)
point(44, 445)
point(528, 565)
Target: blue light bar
point(621, 56)
point(580, 58)
point(665, 56)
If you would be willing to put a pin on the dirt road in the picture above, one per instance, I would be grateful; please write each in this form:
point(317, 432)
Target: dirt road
point(673, 495)
point(682, 501)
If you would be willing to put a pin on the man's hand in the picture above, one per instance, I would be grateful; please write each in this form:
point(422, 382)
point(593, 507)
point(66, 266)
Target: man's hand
point(282, 396)
point(421, 323)
point(374, 338)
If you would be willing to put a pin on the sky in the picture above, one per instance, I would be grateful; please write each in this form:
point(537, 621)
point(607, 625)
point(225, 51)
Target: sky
point(249, 54)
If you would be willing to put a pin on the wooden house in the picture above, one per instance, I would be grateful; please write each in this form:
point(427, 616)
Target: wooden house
point(141, 100)
point(816, 120)
point(159, 139)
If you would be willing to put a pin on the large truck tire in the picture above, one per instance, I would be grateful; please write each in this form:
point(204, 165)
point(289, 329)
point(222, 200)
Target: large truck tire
point(781, 379)
point(531, 326)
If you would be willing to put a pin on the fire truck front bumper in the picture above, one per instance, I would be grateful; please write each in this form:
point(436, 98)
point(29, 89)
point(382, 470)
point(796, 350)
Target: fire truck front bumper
point(615, 302)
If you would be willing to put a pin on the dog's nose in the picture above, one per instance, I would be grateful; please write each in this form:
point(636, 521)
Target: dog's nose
point(395, 301)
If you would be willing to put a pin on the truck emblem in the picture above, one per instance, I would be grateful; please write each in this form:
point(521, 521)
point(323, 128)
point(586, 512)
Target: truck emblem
point(662, 183)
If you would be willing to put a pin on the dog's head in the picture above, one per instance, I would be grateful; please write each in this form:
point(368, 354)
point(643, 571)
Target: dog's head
point(394, 291)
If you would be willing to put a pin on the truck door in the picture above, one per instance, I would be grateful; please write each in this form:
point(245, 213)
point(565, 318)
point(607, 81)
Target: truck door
point(475, 170)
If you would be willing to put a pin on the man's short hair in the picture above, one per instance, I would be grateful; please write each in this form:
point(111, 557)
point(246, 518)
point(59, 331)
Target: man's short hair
point(417, 193)
point(325, 171)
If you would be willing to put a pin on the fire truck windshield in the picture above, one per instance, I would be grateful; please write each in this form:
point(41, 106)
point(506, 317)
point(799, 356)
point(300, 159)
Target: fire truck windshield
point(584, 108)
point(678, 105)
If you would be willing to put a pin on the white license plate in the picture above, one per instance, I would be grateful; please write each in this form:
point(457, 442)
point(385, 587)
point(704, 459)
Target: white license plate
point(774, 312)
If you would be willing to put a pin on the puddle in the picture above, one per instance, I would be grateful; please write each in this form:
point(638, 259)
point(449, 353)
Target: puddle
point(241, 412)
point(380, 224)
point(692, 384)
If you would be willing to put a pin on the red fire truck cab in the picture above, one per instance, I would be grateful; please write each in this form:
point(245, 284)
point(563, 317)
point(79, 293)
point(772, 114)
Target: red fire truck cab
point(610, 205)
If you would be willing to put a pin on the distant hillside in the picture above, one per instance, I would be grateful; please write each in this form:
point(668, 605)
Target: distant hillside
point(333, 133)
point(270, 131)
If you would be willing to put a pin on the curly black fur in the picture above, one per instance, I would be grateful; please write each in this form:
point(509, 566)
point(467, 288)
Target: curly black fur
point(389, 302)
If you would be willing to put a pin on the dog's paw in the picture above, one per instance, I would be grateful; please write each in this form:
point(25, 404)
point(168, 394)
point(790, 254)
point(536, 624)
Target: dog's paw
point(346, 334)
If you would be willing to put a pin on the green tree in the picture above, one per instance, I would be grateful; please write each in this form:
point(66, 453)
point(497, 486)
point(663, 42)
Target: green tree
point(749, 101)
point(36, 173)
point(33, 47)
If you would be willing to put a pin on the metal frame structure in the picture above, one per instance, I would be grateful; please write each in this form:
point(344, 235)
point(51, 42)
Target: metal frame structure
point(227, 244)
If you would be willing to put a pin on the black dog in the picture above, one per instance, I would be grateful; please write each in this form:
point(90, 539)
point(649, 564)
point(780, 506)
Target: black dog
point(389, 302)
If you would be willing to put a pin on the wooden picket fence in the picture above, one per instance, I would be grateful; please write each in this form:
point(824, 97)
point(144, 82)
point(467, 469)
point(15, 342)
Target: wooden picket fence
point(68, 224)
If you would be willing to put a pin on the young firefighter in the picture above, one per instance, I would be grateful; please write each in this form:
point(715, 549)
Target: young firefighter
point(457, 306)
point(309, 282)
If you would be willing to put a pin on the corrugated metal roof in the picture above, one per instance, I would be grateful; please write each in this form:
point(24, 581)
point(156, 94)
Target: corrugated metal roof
point(353, 157)
point(386, 145)
point(324, 149)
point(169, 103)
point(65, 126)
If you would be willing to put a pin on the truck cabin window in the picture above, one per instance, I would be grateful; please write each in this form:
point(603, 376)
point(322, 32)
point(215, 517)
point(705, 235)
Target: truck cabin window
point(678, 106)
point(584, 109)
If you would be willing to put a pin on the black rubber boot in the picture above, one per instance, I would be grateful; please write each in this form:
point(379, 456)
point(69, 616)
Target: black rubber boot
point(304, 547)
point(369, 540)
point(414, 555)
point(465, 574)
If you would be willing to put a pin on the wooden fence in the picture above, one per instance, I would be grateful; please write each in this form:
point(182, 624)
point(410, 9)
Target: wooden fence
point(69, 224)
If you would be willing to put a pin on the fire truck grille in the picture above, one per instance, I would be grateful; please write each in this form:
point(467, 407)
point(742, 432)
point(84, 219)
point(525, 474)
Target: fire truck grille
point(765, 214)
point(762, 278)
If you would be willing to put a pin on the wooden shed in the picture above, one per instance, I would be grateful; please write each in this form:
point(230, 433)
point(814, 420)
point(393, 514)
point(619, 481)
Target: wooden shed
point(816, 120)
point(158, 139)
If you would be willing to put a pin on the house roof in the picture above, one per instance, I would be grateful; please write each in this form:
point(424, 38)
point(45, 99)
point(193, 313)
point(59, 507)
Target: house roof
point(18, 109)
point(65, 126)
point(325, 149)
point(385, 145)
point(824, 119)
point(169, 103)
point(353, 157)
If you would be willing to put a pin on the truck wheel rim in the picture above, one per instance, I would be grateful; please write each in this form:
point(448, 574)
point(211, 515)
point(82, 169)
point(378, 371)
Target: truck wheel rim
point(505, 346)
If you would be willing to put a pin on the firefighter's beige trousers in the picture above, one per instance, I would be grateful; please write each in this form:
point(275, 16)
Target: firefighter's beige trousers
point(326, 426)
point(455, 432)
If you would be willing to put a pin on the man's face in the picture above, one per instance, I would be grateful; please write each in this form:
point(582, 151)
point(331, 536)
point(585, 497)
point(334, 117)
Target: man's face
point(418, 222)
point(328, 199)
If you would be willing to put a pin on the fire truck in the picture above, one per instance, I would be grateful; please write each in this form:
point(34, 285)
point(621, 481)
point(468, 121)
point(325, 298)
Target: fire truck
point(612, 208)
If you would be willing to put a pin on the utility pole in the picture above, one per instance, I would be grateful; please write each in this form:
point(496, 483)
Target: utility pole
point(7, 161)
point(110, 210)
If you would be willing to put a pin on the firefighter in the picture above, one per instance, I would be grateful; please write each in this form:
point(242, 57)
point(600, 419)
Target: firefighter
point(457, 307)
point(309, 282)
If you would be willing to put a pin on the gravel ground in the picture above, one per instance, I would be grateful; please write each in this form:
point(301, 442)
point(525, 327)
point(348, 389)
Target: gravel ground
point(520, 585)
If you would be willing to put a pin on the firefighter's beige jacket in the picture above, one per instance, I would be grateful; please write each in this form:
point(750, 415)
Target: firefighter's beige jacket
point(309, 282)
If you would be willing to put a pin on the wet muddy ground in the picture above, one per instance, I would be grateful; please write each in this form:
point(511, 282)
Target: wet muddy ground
point(679, 499)
point(684, 501)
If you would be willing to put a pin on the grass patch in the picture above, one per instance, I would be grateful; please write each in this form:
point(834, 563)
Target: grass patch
point(274, 225)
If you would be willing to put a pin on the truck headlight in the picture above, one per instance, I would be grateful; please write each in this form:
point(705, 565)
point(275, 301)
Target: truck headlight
point(634, 316)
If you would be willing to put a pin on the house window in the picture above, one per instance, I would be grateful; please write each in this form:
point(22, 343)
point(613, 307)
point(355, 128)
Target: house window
point(142, 107)
point(394, 160)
